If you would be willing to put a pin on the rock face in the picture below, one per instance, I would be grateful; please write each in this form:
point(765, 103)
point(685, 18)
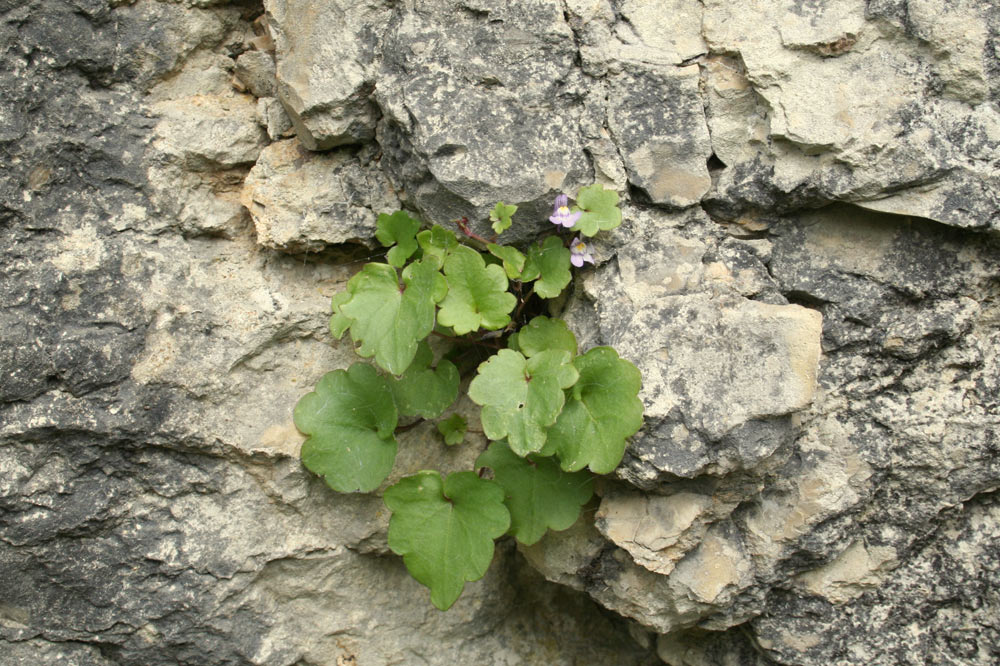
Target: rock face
point(806, 277)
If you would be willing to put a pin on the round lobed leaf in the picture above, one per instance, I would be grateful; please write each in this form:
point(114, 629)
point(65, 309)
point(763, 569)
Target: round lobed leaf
point(477, 293)
point(349, 420)
point(542, 333)
point(600, 210)
point(500, 217)
point(521, 397)
point(548, 265)
point(423, 391)
point(388, 320)
point(444, 529)
point(539, 495)
point(436, 243)
point(453, 429)
point(513, 260)
point(602, 412)
point(398, 229)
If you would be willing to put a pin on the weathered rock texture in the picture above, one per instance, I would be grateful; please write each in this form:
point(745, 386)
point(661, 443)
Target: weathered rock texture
point(808, 277)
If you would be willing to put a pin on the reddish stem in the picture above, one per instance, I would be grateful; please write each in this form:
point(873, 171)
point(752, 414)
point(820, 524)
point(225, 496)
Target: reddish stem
point(463, 225)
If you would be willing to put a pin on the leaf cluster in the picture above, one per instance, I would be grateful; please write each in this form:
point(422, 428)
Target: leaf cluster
point(554, 416)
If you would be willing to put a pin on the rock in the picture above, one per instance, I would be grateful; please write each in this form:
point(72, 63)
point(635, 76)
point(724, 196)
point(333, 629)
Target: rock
point(256, 70)
point(303, 202)
point(658, 123)
point(470, 122)
point(875, 138)
point(271, 115)
point(325, 74)
point(811, 298)
point(208, 133)
point(657, 531)
point(913, 599)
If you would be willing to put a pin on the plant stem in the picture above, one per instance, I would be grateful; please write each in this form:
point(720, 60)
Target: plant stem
point(463, 225)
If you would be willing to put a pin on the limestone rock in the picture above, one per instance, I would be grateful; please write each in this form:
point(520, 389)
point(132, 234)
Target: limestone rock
point(697, 344)
point(272, 117)
point(886, 135)
point(302, 201)
point(256, 70)
point(816, 481)
point(208, 133)
point(324, 71)
point(470, 121)
point(657, 531)
point(658, 123)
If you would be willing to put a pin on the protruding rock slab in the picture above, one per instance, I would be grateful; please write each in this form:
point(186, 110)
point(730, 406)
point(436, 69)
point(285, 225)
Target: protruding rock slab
point(325, 53)
point(658, 530)
point(302, 201)
point(470, 121)
point(856, 104)
point(209, 132)
point(711, 366)
point(657, 120)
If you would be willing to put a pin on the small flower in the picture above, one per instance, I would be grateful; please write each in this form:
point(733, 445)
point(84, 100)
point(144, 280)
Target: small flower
point(579, 252)
point(561, 214)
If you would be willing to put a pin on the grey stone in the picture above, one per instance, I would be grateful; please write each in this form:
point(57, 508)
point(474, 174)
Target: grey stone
point(816, 478)
point(301, 201)
point(256, 70)
point(271, 115)
point(902, 131)
point(208, 133)
point(658, 123)
point(470, 121)
point(325, 56)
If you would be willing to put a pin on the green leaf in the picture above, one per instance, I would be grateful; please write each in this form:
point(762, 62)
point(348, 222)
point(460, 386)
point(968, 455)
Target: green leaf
point(549, 265)
point(387, 320)
point(542, 333)
point(540, 496)
point(421, 391)
point(500, 217)
point(444, 529)
point(349, 419)
point(521, 397)
point(477, 293)
point(399, 229)
point(513, 260)
point(600, 210)
point(340, 322)
point(602, 412)
point(436, 243)
point(453, 429)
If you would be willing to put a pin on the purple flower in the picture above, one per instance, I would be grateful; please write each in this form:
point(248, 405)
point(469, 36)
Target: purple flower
point(561, 214)
point(579, 252)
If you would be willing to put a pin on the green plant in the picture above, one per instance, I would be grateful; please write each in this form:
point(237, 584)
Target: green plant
point(549, 411)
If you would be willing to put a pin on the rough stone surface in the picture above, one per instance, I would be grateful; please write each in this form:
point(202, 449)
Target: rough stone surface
point(325, 56)
point(807, 276)
point(303, 201)
point(256, 70)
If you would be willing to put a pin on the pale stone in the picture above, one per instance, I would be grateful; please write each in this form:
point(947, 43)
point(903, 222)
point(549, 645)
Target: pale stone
point(271, 115)
point(302, 201)
point(324, 73)
point(205, 133)
point(256, 70)
point(719, 343)
point(659, 126)
point(851, 573)
point(657, 531)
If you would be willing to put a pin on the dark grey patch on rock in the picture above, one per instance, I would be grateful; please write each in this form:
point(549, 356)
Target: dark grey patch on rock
point(80, 563)
point(940, 598)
